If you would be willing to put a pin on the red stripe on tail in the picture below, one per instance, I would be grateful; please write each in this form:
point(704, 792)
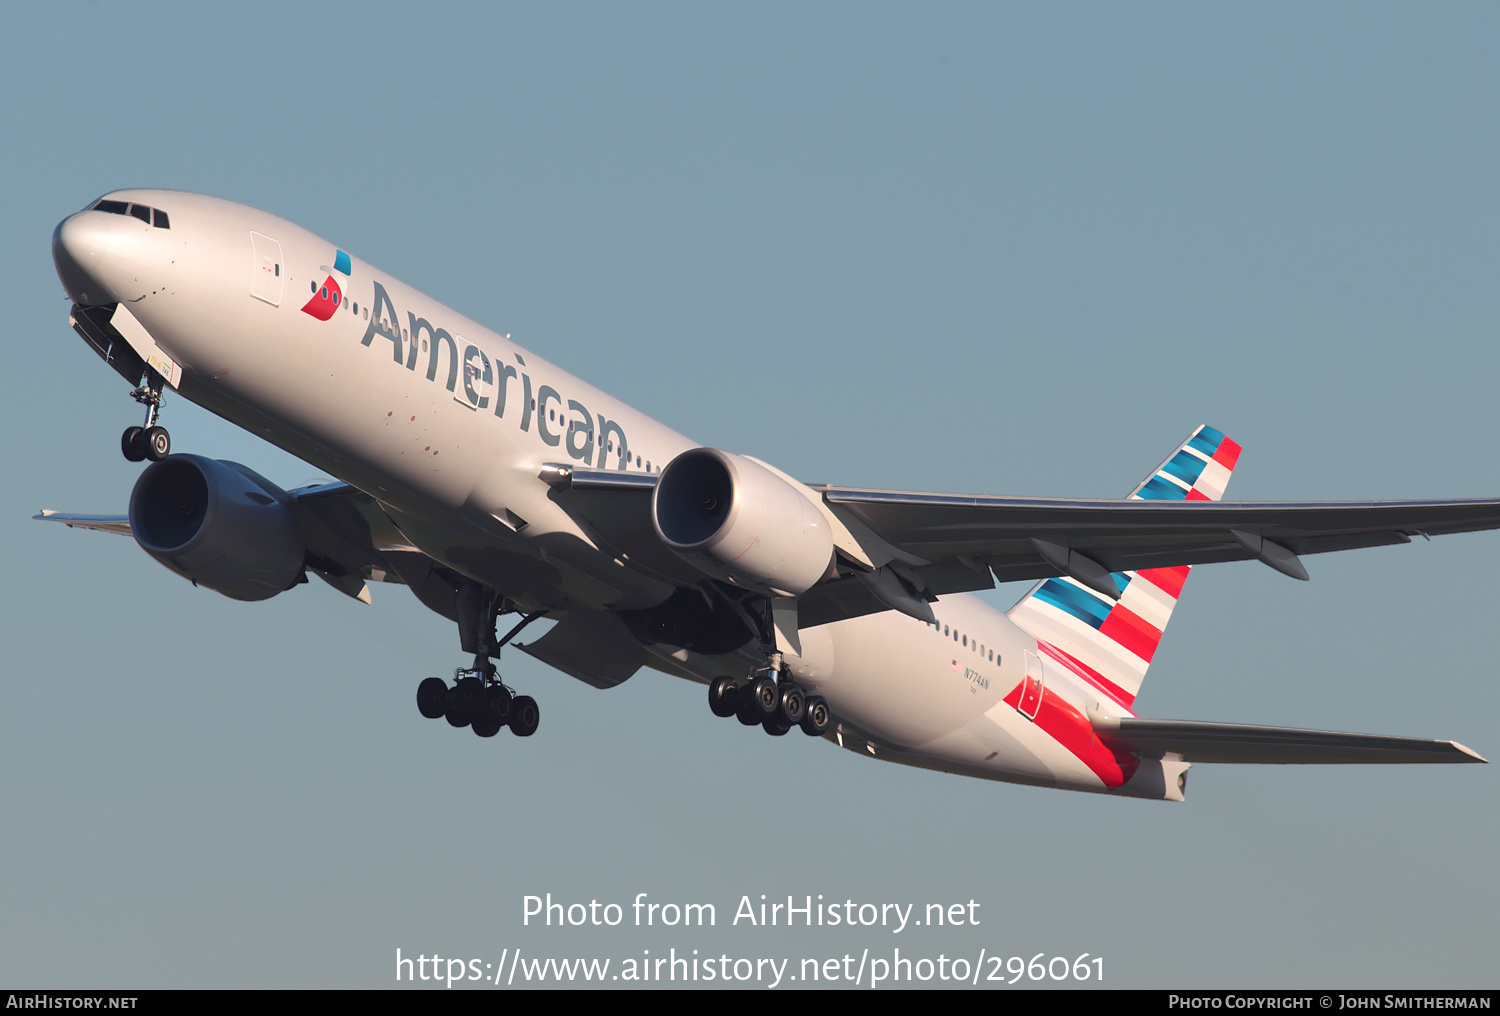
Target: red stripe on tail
point(1168, 580)
point(1131, 631)
point(1228, 454)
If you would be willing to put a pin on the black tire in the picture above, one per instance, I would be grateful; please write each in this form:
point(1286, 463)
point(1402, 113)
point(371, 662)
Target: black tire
point(525, 717)
point(486, 725)
point(818, 718)
point(158, 443)
point(498, 703)
point(456, 708)
point(133, 445)
point(792, 705)
point(432, 695)
point(723, 696)
point(461, 700)
point(775, 726)
point(767, 696)
point(745, 708)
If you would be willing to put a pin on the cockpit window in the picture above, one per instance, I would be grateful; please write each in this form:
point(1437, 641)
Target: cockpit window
point(143, 212)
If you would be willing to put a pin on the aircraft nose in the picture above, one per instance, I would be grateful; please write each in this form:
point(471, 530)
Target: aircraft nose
point(78, 243)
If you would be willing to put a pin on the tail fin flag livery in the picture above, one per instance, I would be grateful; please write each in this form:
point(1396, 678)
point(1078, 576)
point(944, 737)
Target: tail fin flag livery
point(1110, 643)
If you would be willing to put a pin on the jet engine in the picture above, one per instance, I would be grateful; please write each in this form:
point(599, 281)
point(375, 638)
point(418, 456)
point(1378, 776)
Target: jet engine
point(219, 525)
point(733, 516)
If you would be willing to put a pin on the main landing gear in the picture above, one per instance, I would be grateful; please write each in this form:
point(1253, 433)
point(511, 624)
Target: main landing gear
point(477, 698)
point(771, 701)
point(484, 708)
point(148, 441)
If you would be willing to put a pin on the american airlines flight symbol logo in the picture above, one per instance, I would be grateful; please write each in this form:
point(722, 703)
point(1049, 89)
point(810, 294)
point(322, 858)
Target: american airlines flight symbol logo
point(327, 298)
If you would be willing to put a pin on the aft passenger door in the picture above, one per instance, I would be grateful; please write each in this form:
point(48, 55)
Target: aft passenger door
point(1031, 690)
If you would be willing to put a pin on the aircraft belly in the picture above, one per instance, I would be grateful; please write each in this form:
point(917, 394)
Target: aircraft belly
point(816, 666)
point(911, 684)
point(1025, 749)
point(988, 747)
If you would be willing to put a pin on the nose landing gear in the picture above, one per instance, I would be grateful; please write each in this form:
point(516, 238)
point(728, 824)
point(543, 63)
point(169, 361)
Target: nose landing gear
point(148, 441)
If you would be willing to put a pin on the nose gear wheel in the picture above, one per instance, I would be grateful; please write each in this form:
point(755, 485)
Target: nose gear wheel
point(147, 441)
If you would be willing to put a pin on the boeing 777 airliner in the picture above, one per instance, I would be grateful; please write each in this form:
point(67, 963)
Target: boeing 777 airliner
point(492, 483)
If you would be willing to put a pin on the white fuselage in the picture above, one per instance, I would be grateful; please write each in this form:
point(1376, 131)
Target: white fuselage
point(365, 395)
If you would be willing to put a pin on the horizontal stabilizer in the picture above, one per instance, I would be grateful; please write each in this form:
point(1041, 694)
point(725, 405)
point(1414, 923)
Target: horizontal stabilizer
point(1192, 741)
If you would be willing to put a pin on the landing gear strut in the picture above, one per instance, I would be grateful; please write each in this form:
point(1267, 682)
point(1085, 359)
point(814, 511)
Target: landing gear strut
point(771, 700)
point(477, 699)
point(147, 441)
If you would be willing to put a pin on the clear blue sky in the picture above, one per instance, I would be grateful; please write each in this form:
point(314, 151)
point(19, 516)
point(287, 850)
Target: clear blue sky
point(1013, 249)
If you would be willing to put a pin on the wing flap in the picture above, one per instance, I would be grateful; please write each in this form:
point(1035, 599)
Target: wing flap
point(1193, 741)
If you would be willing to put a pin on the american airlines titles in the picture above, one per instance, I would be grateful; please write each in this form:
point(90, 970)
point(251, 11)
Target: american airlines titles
point(486, 385)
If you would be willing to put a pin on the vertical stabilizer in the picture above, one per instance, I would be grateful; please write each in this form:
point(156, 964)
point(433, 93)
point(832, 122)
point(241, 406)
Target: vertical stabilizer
point(1109, 643)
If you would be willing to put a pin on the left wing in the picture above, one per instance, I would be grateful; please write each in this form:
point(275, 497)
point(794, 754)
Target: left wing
point(349, 540)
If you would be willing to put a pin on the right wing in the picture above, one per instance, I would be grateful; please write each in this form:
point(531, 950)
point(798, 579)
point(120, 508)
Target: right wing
point(118, 524)
point(349, 538)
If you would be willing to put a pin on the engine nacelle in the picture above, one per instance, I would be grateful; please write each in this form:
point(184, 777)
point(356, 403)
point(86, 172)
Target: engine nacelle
point(211, 523)
point(733, 516)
